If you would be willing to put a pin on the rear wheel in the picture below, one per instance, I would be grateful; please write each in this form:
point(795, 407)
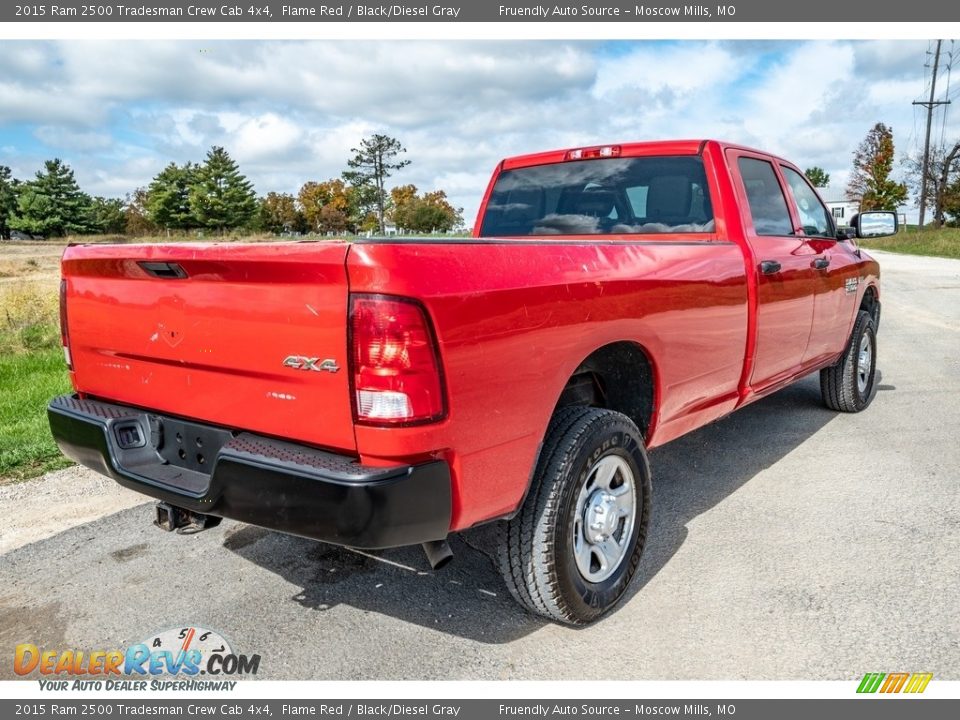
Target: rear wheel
point(571, 551)
point(847, 386)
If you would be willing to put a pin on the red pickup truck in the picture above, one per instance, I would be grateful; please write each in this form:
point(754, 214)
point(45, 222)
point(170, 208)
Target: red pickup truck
point(386, 392)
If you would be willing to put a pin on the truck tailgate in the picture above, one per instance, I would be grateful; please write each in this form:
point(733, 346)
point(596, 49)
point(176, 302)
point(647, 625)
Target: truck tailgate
point(203, 332)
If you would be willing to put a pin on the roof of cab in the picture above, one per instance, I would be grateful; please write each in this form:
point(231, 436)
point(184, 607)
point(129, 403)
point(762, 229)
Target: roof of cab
point(635, 149)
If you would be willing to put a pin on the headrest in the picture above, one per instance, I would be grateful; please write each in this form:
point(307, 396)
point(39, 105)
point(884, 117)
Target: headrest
point(595, 203)
point(669, 196)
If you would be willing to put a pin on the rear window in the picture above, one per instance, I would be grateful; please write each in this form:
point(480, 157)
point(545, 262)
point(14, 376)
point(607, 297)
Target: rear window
point(609, 196)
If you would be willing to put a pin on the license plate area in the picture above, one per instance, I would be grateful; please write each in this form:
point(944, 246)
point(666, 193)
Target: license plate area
point(189, 445)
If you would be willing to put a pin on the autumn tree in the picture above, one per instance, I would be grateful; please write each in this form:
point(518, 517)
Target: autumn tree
point(221, 198)
point(107, 215)
point(278, 213)
point(373, 162)
point(870, 182)
point(431, 212)
point(8, 199)
point(817, 176)
point(136, 216)
point(52, 204)
point(168, 197)
point(327, 206)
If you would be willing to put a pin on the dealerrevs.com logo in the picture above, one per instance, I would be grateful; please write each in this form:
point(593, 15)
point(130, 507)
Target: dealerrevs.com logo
point(171, 660)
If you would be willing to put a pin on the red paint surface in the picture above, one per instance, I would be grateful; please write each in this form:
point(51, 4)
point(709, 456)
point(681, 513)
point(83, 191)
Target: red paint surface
point(513, 319)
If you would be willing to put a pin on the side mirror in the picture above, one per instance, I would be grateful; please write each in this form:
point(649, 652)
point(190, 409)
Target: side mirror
point(846, 233)
point(875, 224)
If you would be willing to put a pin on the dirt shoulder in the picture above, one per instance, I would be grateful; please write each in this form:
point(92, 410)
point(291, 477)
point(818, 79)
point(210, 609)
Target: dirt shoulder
point(36, 509)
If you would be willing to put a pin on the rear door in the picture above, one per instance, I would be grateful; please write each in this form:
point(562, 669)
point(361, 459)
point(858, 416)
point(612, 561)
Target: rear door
point(785, 277)
point(835, 269)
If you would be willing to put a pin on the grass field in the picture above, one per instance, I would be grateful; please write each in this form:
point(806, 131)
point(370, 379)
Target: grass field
point(944, 242)
point(32, 371)
point(27, 382)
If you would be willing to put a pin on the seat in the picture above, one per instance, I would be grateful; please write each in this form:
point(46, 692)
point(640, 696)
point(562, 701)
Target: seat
point(593, 202)
point(669, 198)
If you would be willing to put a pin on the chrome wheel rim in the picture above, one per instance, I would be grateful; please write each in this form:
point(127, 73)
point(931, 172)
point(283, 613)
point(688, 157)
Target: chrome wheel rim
point(605, 513)
point(864, 363)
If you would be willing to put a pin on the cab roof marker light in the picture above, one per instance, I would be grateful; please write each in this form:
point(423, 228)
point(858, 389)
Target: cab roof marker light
point(603, 151)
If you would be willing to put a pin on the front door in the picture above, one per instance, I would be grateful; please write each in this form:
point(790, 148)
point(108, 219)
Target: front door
point(835, 265)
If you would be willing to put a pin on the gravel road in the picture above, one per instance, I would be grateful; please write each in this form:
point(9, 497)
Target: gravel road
point(788, 542)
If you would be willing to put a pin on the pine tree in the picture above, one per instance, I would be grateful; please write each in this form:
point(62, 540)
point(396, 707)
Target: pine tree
point(221, 198)
point(9, 188)
point(817, 176)
point(108, 215)
point(52, 204)
point(371, 165)
point(168, 197)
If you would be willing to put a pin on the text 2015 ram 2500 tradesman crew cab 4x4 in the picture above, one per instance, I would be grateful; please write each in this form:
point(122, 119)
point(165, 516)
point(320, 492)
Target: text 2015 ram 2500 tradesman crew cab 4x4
point(389, 392)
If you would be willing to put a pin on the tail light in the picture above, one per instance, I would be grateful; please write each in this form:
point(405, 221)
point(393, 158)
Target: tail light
point(64, 329)
point(605, 151)
point(394, 362)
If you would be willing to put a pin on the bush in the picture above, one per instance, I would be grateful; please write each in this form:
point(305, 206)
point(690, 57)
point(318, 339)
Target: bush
point(29, 318)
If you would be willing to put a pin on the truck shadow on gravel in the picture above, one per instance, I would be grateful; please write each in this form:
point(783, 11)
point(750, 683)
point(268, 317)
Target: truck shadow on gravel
point(468, 599)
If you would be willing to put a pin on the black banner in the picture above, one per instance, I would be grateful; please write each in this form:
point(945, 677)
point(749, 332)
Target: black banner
point(611, 11)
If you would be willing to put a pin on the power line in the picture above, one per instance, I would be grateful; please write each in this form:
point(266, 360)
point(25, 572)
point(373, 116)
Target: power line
point(929, 105)
point(943, 118)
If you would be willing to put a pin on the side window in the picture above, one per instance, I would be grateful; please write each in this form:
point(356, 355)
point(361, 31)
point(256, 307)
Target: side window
point(813, 214)
point(768, 207)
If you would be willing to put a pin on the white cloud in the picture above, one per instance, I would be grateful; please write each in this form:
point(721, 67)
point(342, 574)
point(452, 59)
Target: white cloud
point(291, 111)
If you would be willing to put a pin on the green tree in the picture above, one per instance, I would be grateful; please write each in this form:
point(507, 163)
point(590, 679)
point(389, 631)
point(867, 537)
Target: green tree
point(221, 198)
point(108, 216)
point(373, 162)
point(817, 176)
point(168, 197)
point(870, 182)
point(9, 188)
point(279, 213)
point(951, 203)
point(52, 204)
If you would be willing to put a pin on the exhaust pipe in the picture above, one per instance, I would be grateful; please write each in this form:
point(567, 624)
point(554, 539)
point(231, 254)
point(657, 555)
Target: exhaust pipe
point(438, 553)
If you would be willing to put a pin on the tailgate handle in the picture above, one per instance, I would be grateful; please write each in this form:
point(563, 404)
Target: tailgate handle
point(165, 270)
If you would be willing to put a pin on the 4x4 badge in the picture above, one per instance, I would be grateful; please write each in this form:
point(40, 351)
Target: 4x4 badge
point(299, 362)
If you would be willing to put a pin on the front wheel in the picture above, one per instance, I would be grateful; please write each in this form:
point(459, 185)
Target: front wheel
point(572, 549)
point(847, 386)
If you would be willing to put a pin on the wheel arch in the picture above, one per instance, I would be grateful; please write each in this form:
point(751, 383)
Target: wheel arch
point(870, 302)
point(618, 376)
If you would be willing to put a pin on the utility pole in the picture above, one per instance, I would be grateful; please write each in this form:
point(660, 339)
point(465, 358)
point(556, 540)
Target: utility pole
point(929, 105)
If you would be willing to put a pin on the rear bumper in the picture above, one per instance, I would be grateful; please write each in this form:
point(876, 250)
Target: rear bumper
point(258, 480)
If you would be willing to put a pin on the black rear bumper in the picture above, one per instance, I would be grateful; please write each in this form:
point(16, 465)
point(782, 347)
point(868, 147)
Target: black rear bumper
point(258, 480)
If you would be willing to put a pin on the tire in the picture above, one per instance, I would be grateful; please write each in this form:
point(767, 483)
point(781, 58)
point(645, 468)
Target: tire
point(570, 552)
point(848, 385)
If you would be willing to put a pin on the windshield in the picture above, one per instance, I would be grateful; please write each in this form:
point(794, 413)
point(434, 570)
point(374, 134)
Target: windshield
point(609, 196)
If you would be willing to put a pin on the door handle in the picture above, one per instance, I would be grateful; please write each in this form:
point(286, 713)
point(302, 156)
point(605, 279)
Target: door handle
point(769, 267)
point(821, 263)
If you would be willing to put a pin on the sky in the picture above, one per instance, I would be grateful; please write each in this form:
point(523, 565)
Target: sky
point(289, 112)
